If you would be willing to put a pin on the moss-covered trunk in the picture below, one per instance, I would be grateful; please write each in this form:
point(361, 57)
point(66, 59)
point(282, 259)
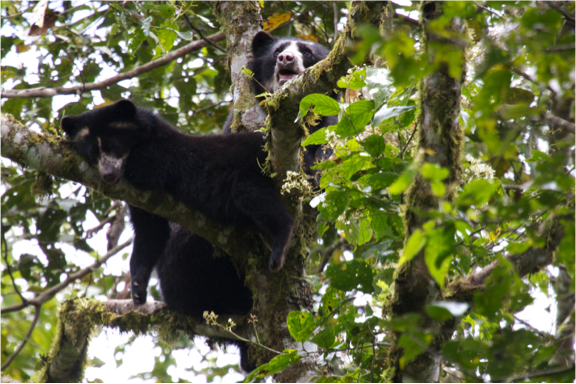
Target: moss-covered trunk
point(440, 142)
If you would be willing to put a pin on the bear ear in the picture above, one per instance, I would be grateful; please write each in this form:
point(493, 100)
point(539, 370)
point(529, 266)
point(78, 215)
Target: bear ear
point(70, 125)
point(125, 108)
point(260, 43)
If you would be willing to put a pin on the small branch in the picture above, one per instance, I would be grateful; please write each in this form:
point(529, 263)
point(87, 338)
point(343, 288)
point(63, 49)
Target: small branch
point(527, 324)
point(561, 47)
point(528, 375)
point(557, 122)
point(529, 78)
point(568, 17)
point(407, 19)
point(78, 89)
point(487, 9)
point(5, 256)
point(23, 343)
point(202, 36)
point(46, 295)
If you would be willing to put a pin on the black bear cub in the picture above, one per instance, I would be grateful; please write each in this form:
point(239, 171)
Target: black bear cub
point(218, 175)
point(278, 60)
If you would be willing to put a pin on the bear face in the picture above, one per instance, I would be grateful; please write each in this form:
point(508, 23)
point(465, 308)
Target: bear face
point(104, 136)
point(278, 60)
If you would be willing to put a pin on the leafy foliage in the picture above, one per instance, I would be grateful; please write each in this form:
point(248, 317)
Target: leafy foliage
point(517, 183)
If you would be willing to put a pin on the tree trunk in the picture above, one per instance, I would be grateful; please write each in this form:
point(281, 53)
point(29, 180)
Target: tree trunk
point(440, 142)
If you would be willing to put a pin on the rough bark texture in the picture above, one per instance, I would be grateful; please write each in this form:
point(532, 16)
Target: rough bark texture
point(440, 142)
point(79, 318)
point(241, 21)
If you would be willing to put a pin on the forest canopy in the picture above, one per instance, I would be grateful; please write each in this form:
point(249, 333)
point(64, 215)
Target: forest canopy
point(438, 246)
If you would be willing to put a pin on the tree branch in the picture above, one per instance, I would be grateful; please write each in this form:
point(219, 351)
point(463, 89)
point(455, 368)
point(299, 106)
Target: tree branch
point(283, 106)
point(26, 338)
point(79, 318)
point(78, 89)
point(52, 155)
point(49, 293)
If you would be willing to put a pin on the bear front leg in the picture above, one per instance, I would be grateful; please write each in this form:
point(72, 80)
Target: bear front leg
point(263, 205)
point(151, 234)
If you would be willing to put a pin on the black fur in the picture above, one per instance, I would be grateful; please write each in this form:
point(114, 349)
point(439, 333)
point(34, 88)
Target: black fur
point(191, 279)
point(275, 62)
point(218, 175)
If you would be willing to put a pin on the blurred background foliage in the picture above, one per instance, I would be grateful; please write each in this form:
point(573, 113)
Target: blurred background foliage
point(517, 115)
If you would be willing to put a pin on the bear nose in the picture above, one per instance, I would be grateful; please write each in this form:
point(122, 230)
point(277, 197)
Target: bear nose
point(285, 58)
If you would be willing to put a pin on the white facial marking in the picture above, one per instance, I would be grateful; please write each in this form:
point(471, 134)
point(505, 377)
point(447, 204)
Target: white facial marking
point(297, 67)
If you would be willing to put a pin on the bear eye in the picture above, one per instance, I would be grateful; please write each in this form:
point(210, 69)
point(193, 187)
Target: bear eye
point(276, 52)
point(307, 53)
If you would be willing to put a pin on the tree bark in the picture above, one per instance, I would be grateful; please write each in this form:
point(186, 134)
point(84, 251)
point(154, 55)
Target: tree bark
point(241, 21)
point(440, 142)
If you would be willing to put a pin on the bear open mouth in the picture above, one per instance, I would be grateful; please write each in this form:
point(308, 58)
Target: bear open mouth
point(285, 75)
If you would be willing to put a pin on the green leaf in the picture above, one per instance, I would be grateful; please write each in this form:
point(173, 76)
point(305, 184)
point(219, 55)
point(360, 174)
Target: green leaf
point(353, 274)
point(353, 81)
point(323, 105)
point(318, 137)
point(374, 145)
point(517, 248)
point(355, 118)
point(438, 313)
point(476, 193)
point(403, 181)
point(414, 244)
point(301, 325)
point(379, 85)
point(413, 343)
point(382, 180)
point(538, 156)
point(388, 112)
point(434, 172)
point(325, 338)
point(438, 252)
point(438, 188)
point(277, 364)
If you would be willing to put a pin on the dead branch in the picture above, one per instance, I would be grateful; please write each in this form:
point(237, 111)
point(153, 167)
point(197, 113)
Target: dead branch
point(79, 89)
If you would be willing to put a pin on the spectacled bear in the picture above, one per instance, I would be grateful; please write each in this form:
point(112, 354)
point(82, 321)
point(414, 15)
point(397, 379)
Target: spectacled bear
point(135, 143)
point(217, 175)
point(278, 60)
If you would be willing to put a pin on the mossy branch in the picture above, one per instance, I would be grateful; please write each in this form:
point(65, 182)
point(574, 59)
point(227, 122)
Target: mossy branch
point(80, 317)
point(55, 156)
point(283, 105)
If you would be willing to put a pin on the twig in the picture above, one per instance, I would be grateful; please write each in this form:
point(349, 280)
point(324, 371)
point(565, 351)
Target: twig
point(23, 343)
point(558, 122)
point(407, 19)
point(561, 47)
point(75, 90)
point(335, 8)
point(544, 372)
point(529, 78)
point(487, 9)
point(562, 11)
point(540, 333)
point(202, 36)
point(5, 256)
point(46, 295)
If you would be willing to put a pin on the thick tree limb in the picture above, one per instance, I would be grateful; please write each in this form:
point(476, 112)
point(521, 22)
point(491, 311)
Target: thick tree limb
point(81, 88)
point(54, 156)
point(440, 140)
point(79, 318)
point(283, 106)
